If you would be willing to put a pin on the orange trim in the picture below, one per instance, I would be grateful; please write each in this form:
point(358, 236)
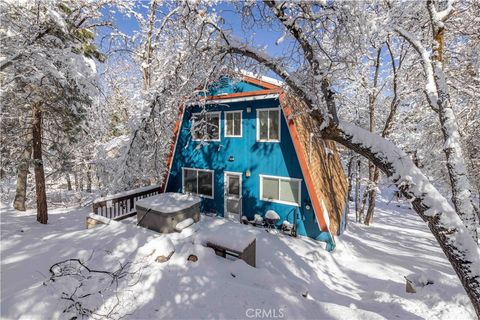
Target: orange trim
point(245, 94)
point(260, 83)
point(171, 153)
point(266, 85)
point(317, 207)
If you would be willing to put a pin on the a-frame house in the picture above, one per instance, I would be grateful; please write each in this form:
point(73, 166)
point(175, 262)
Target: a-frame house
point(251, 149)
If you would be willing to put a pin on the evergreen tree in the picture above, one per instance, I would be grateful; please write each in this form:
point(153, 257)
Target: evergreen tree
point(48, 82)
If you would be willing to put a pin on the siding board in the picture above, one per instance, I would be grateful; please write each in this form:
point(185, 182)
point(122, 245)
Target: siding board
point(329, 179)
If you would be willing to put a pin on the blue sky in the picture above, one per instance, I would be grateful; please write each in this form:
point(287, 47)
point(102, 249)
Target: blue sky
point(227, 10)
point(259, 36)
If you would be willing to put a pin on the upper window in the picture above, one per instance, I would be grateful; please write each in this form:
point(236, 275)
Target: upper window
point(198, 181)
point(206, 126)
point(233, 123)
point(268, 125)
point(280, 189)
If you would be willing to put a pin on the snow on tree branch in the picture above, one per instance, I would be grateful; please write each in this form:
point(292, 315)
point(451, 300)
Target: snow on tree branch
point(430, 86)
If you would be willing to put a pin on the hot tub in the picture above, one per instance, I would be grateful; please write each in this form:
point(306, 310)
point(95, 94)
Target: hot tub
point(162, 212)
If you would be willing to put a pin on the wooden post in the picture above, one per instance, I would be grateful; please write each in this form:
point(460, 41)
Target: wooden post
point(132, 203)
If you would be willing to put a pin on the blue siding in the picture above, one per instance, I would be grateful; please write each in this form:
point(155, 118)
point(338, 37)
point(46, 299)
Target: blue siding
point(268, 158)
point(227, 86)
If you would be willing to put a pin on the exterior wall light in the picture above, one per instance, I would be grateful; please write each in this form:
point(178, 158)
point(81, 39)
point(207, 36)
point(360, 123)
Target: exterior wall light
point(247, 173)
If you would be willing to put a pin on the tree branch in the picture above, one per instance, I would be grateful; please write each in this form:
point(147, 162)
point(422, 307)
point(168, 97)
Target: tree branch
point(298, 34)
point(430, 87)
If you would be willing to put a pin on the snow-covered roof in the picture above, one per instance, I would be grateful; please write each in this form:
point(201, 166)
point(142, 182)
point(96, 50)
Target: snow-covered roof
point(169, 202)
point(228, 235)
point(263, 78)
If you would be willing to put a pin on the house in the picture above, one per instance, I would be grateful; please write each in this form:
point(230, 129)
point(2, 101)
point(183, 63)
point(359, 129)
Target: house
point(245, 153)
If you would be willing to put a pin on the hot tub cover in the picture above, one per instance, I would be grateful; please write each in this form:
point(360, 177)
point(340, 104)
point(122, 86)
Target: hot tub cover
point(169, 202)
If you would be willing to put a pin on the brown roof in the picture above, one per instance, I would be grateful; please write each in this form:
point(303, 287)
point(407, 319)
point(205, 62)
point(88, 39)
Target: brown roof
point(320, 162)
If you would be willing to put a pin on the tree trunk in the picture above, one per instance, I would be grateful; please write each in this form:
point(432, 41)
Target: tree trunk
point(371, 192)
point(350, 173)
point(22, 175)
point(372, 197)
point(357, 189)
point(148, 47)
point(42, 213)
point(462, 197)
point(364, 203)
point(438, 99)
point(81, 181)
point(89, 178)
point(76, 180)
point(69, 181)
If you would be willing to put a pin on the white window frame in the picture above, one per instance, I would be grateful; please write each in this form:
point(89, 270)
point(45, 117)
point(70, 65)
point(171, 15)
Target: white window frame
point(225, 124)
point(268, 125)
point(219, 113)
point(284, 179)
point(197, 194)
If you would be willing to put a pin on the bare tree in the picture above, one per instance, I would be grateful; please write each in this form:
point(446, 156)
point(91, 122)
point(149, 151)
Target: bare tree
point(437, 94)
point(387, 128)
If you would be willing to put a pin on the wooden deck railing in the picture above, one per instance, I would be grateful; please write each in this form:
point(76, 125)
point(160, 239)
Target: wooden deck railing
point(122, 205)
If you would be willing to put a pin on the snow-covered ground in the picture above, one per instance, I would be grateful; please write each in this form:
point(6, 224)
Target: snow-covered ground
point(295, 277)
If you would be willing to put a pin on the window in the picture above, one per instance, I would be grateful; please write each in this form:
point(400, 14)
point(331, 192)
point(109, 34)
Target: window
point(233, 123)
point(206, 126)
point(281, 190)
point(268, 125)
point(198, 181)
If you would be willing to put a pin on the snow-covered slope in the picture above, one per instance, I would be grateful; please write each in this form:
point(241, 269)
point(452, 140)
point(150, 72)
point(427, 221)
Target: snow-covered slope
point(295, 278)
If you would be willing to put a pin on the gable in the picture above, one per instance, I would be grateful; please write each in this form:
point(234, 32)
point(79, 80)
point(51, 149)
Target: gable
point(226, 85)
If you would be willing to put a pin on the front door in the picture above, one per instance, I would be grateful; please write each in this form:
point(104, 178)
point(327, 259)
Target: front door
point(233, 195)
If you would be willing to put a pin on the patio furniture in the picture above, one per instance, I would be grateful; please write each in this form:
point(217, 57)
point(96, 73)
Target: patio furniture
point(271, 219)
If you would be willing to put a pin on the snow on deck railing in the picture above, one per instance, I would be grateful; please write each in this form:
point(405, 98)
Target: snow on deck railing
point(122, 205)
